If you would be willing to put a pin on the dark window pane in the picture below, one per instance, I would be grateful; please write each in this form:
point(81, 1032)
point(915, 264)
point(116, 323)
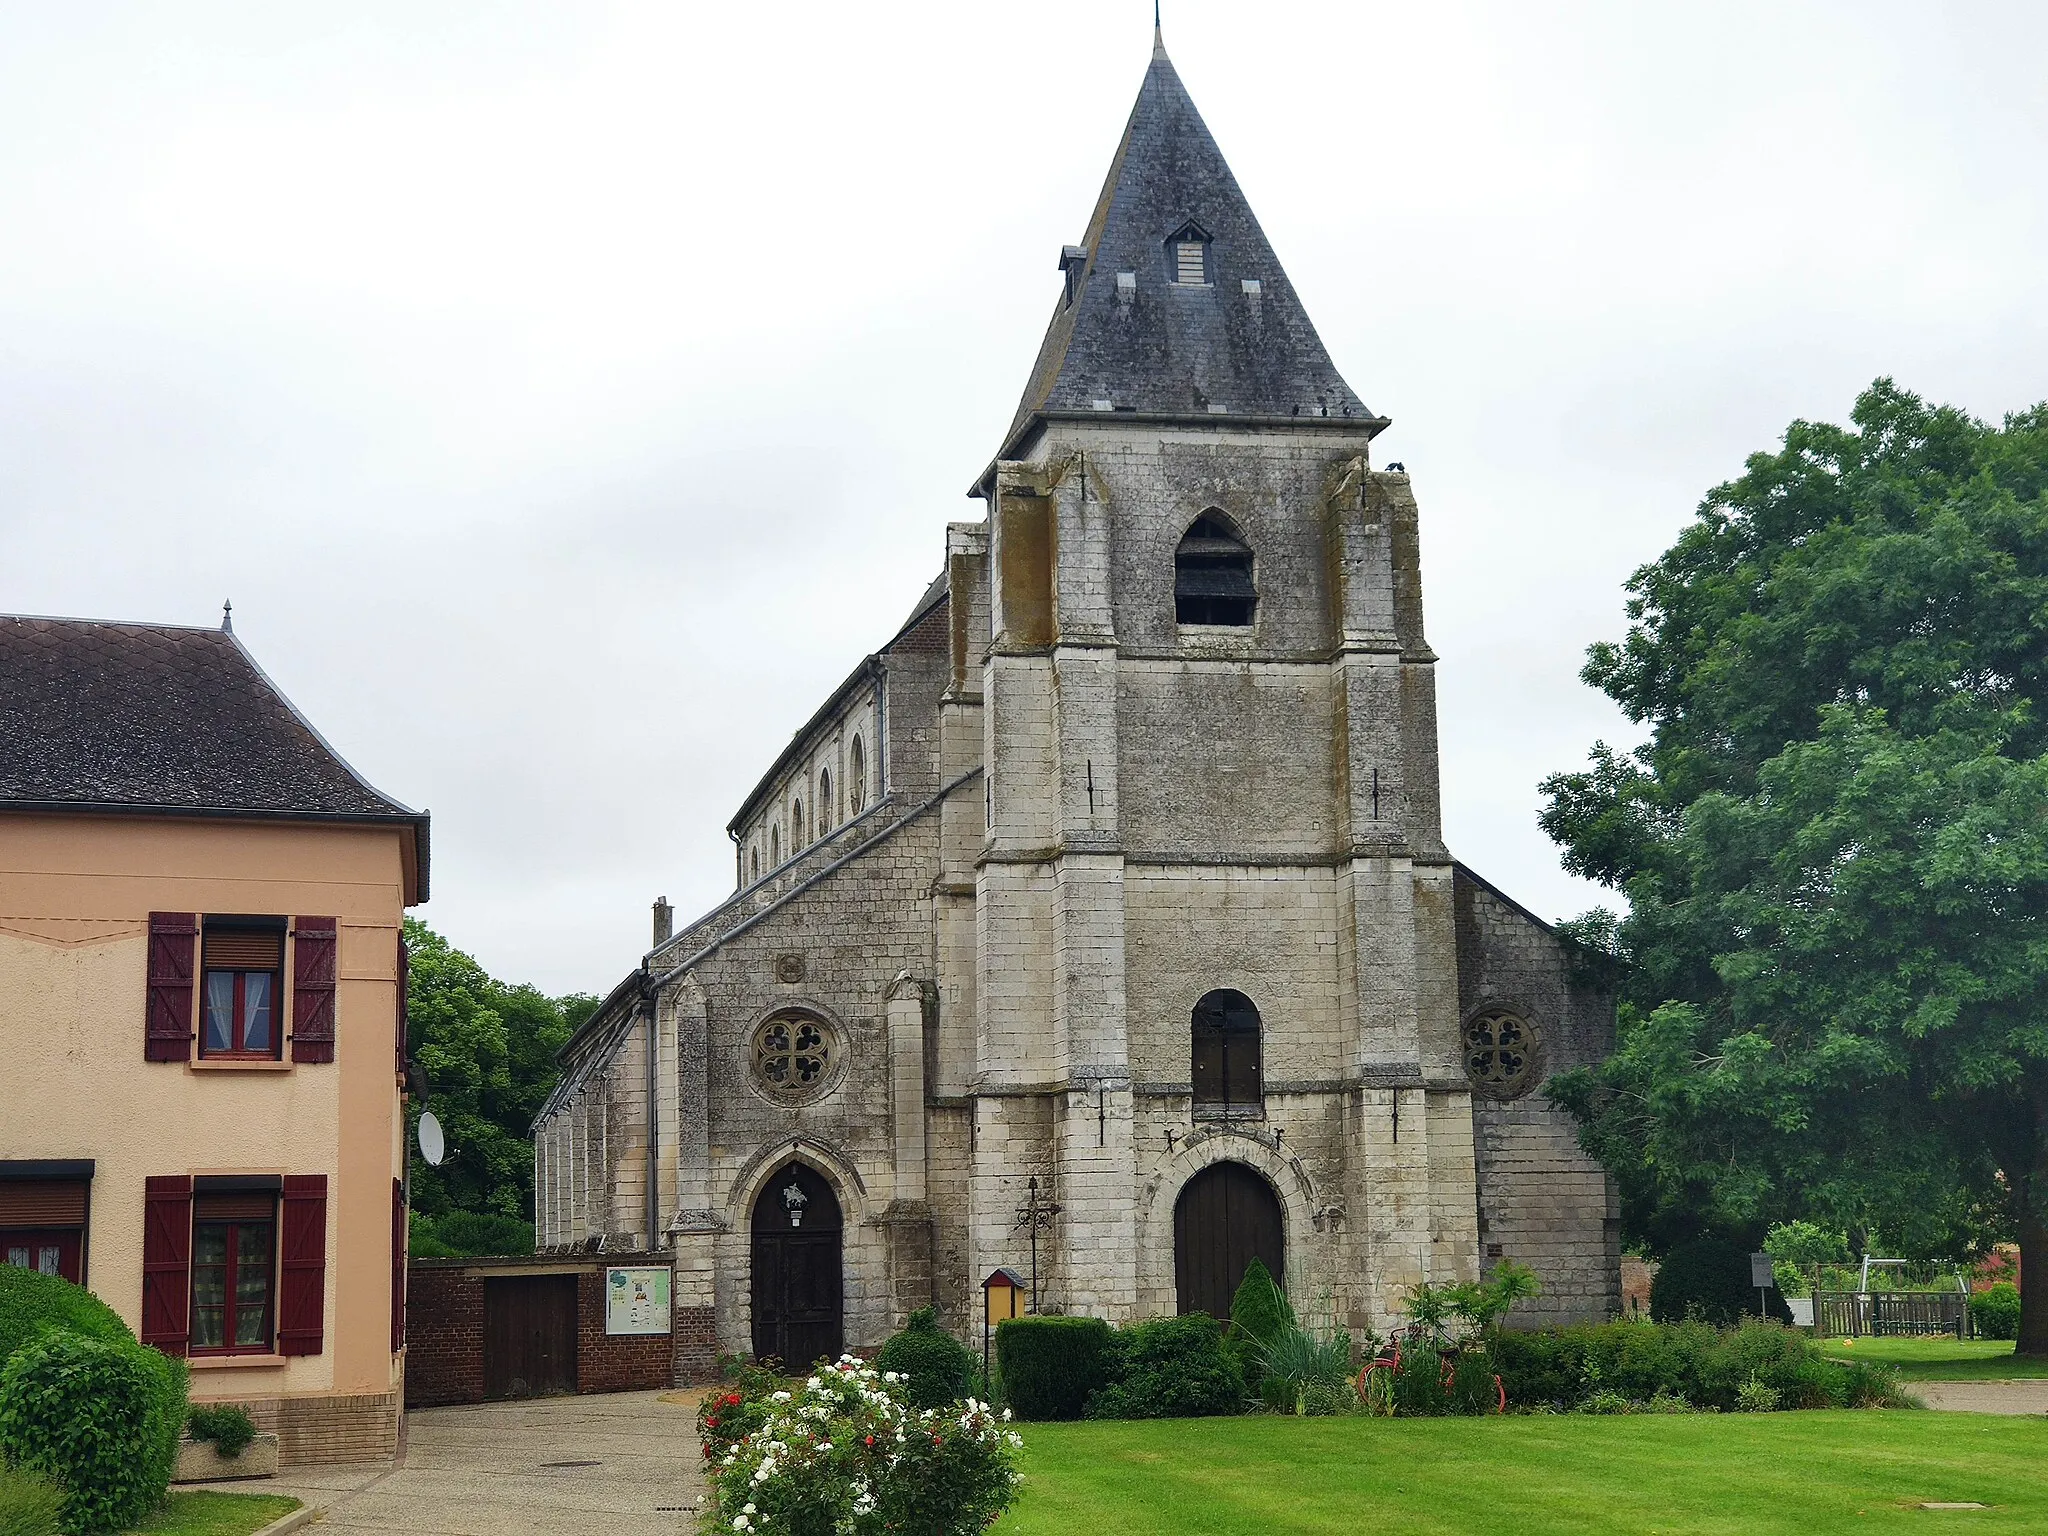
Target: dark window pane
point(209, 1329)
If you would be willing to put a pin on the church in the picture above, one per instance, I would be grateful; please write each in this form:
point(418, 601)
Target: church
point(1099, 926)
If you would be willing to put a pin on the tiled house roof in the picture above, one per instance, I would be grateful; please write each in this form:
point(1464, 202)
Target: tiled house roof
point(166, 719)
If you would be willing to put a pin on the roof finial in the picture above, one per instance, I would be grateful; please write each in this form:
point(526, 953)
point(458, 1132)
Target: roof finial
point(227, 617)
point(1158, 37)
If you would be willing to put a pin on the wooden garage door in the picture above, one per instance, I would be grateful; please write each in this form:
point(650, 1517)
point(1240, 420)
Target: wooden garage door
point(529, 1335)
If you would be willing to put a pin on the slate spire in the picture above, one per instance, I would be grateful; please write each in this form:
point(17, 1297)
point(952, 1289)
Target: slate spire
point(1132, 337)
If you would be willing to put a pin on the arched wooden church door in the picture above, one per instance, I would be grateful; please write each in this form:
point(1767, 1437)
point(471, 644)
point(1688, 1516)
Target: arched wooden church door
point(799, 1299)
point(1226, 1215)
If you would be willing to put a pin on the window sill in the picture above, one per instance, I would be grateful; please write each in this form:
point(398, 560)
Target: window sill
point(1233, 1114)
point(234, 1362)
point(237, 1064)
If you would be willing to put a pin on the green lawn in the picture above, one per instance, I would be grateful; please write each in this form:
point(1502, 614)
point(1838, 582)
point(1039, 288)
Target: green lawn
point(207, 1513)
point(1740, 1474)
point(1942, 1359)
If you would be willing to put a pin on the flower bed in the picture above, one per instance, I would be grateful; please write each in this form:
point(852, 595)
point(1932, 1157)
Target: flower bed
point(843, 1454)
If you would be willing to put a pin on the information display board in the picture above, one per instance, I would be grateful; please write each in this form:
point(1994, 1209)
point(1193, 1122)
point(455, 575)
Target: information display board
point(636, 1300)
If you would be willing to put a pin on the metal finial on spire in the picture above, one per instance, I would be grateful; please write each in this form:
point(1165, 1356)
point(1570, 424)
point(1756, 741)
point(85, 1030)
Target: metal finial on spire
point(1158, 37)
point(227, 617)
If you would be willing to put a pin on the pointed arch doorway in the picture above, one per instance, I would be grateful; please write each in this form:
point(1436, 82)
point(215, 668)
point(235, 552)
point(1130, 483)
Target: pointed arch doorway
point(1226, 1215)
point(798, 1293)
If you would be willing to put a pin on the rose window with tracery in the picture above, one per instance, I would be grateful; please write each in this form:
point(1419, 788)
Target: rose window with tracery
point(792, 1056)
point(1500, 1054)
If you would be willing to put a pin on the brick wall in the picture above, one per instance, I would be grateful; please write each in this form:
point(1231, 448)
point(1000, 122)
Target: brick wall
point(330, 1430)
point(445, 1334)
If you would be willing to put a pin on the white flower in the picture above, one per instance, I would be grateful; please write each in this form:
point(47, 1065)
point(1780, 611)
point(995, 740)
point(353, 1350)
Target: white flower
point(741, 1523)
point(780, 1397)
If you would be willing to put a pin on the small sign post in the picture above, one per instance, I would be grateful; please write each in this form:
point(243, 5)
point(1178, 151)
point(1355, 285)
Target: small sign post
point(1763, 1278)
point(999, 1304)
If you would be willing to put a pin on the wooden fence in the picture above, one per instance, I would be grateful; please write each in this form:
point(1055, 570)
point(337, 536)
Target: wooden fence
point(1882, 1314)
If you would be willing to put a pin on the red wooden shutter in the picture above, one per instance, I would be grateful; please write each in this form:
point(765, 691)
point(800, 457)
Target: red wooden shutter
point(313, 988)
point(173, 939)
point(402, 1031)
point(167, 1262)
point(397, 1265)
point(302, 1265)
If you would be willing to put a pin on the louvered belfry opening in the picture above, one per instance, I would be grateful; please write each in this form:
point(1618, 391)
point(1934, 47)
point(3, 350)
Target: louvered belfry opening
point(1187, 256)
point(1212, 574)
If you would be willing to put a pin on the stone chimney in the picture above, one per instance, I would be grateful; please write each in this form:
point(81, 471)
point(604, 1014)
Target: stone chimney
point(664, 921)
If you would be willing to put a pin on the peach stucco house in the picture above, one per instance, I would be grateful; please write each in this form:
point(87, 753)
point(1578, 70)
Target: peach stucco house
point(201, 1020)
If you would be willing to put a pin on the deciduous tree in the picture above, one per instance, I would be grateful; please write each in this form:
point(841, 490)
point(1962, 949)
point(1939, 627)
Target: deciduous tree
point(1834, 843)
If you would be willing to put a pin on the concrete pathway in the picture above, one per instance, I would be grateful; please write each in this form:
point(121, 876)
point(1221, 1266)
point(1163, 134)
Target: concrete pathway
point(620, 1461)
point(2012, 1397)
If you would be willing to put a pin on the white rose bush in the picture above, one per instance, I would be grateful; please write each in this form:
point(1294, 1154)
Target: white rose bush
point(843, 1454)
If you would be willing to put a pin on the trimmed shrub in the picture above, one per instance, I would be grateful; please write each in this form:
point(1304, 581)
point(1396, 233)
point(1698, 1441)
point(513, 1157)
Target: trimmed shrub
point(31, 1304)
point(29, 1505)
point(99, 1418)
point(1708, 1278)
point(936, 1368)
point(1049, 1366)
point(227, 1425)
point(1259, 1314)
point(1171, 1368)
point(1996, 1312)
point(1707, 1367)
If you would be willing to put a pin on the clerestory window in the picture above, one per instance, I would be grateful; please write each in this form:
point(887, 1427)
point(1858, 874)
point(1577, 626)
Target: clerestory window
point(1212, 574)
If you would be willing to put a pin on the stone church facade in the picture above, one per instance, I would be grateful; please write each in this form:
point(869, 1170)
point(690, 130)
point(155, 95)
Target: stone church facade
point(1107, 903)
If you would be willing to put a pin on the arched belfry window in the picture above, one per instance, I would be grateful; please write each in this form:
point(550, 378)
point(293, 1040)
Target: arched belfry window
point(1227, 1079)
point(797, 837)
point(1187, 256)
point(825, 816)
point(857, 777)
point(1212, 574)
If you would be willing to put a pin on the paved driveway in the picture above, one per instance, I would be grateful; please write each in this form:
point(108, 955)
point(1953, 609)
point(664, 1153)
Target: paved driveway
point(621, 1461)
point(1983, 1396)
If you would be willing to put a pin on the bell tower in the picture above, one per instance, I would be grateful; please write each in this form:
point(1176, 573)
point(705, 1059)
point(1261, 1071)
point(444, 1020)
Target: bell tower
point(1209, 737)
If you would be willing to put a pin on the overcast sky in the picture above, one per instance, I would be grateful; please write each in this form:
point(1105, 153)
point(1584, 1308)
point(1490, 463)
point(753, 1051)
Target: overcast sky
point(569, 396)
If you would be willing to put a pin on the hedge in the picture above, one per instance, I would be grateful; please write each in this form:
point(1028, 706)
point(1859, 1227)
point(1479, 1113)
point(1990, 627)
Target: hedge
point(33, 1303)
point(1996, 1311)
point(1708, 1278)
point(100, 1418)
point(937, 1369)
point(1049, 1366)
point(1706, 1366)
point(1170, 1368)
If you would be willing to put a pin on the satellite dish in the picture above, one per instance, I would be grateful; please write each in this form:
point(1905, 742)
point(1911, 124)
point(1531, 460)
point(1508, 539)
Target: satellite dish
point(433, 1145)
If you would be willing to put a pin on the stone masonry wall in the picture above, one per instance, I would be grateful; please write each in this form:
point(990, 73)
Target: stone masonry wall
point(1542, 1201)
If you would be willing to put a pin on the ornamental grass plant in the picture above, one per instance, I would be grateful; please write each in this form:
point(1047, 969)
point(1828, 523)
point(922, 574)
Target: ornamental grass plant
point(841, 1453)
point(29, 1505)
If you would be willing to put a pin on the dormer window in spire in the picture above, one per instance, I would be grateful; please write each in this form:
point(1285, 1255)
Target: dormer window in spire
point(1074, 263)
point(1212, 574)
point(1187, 256)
